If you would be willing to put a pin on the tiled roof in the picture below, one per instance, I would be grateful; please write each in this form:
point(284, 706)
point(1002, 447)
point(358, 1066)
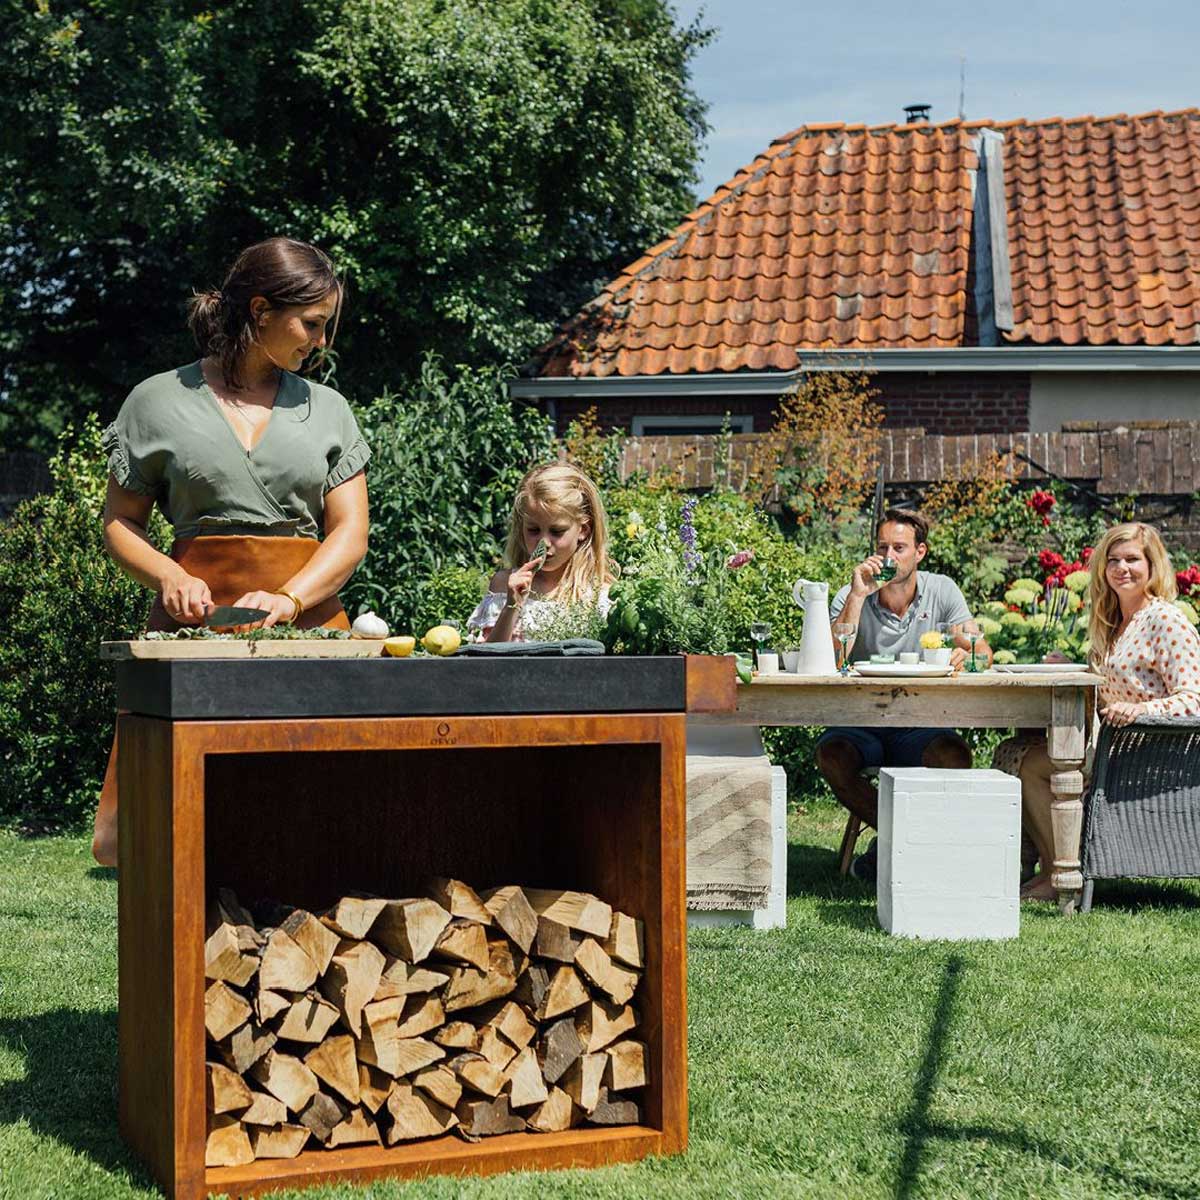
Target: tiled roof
point(849, 236)
point(1104, 229)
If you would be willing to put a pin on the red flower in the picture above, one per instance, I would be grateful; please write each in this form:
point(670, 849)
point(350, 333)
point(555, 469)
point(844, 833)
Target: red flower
point(1085, 555)
point(1042, 503)
point(1050, 560)
point(736, 561)
point(1185, 581)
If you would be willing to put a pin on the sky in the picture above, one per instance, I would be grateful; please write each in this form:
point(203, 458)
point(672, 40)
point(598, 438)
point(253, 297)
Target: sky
point(775, 64)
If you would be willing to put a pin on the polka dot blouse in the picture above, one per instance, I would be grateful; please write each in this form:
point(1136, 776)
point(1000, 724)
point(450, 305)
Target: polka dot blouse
point(1155, 662)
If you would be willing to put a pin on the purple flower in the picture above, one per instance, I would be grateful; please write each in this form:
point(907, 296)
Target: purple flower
point(687, 535)
point(735, 562)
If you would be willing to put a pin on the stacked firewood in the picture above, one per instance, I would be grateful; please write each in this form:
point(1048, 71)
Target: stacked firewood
point(381, 1021)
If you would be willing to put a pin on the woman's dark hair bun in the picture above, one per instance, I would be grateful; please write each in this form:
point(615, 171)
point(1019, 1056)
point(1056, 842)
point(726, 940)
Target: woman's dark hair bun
point(284, 272)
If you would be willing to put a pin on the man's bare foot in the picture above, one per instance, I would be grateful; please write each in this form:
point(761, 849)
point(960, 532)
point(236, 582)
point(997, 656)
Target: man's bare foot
point(1039, 888)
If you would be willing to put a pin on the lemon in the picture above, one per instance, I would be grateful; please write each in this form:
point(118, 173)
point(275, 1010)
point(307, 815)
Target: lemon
point(442, 639)
point(400, 647)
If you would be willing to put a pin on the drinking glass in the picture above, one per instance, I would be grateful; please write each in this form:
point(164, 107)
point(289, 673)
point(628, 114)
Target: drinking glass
point(888, 571)
point(972, 634)
point(844, 631)
point(759, 631)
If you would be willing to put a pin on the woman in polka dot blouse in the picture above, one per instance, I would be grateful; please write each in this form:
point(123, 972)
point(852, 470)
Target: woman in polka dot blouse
point(1145, 648)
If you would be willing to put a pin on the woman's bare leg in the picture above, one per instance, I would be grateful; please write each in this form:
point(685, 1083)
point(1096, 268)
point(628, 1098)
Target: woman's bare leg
point(104, 836)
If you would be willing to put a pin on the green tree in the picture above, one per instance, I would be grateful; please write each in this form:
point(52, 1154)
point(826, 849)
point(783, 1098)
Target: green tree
point(477, 168)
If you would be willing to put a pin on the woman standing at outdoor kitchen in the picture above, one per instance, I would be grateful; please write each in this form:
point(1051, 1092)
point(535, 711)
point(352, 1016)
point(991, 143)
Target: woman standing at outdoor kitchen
point(249, 462)
point(1147, 652)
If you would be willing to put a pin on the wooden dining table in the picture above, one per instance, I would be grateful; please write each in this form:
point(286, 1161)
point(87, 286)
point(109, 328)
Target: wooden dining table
point(1061, 702)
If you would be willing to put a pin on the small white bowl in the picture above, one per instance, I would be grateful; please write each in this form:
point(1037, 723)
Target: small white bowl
point(908, 658)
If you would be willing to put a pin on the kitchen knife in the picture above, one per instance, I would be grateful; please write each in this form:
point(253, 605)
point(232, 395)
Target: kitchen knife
point(227, 614)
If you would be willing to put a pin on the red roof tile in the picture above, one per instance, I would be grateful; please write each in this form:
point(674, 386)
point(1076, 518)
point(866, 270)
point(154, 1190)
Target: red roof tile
point(844, 236)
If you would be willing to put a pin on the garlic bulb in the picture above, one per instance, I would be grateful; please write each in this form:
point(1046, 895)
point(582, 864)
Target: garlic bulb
point(368, 625)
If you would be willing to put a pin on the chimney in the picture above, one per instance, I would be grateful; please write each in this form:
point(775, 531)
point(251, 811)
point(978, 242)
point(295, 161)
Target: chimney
point(915, 114)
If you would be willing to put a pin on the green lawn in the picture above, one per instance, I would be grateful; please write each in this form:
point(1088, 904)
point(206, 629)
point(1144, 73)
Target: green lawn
point(826, 1060)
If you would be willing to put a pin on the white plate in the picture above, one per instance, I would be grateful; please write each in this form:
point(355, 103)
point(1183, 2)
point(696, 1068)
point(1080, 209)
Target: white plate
point(1040, 668)
point(902, 670)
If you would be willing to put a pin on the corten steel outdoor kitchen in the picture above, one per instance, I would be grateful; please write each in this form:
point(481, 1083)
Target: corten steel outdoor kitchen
point(337, 788)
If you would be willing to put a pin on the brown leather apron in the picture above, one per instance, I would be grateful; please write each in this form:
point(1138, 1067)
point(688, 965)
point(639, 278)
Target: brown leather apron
point(231, 565)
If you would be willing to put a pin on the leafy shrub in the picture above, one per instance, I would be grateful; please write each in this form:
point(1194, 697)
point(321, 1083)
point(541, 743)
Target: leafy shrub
point(447, 457)
point(60, 596)
point(450, 594)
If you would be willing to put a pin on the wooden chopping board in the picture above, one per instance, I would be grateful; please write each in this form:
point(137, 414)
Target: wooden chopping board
point(241, 648)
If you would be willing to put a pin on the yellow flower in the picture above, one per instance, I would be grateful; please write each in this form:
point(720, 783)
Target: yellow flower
point(632, 530)
point(931, 641)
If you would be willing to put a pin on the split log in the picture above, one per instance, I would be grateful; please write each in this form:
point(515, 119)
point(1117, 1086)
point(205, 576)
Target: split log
point(483, 1118)
point(414, 1054)
point(475, 1072)
point(514, 914)
point(532, 985)
point(227, 1091)
point(352, 916)
point(269, 1004)
point(409, 929)
point(555, 1115)
point(383, 1047)
point(357, 1128)
point(264, 1110)
point(497, 1050)
point(510, 1019)
point(577, 910)
point(439, 1082)
point(334, 1062)
point(601, 1023)
point(403, 979)
point(523, 1078)
point(279, 1141)
point(558, 1049)
point(285, 965)
point(245, 1046)
point(314, 937)
point(458, 1035)
point(459, 900)
point(627, 1066)
point(566, 991)
point(352, 980)
point(615, 1110)
point(626, 942)
point(556, 941)
point(227, 1144)
point(421, 1014)
point(582, 1082)
point(307, 1019)
point(224, 1010)
point(286, 1078)
point(224, 958)
point(322, 1115)
point(416, 1115)
point(470, 987)
point(619, 983)
point(463, 941)
point(373, 1087)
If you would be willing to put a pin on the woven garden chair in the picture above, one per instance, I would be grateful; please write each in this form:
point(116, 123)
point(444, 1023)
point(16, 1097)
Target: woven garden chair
point(1142, 812)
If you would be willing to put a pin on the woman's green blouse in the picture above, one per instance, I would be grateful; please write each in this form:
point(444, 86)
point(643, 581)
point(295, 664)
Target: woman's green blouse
point(172, 441)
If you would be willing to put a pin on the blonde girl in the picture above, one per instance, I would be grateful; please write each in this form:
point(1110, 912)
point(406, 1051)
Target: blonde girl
point(1144, 647)
point(556, 503)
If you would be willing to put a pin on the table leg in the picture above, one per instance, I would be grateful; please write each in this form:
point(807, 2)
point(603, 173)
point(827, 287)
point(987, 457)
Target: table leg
point(1066, 738)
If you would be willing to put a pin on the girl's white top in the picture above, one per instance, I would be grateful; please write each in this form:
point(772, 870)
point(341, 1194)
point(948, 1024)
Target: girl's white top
point(535, 613)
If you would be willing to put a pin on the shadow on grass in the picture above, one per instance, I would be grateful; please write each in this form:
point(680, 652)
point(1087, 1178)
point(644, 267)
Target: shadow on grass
point(106, 873)
point(919, 1130)
point(1129, 895)
point(69, 1092)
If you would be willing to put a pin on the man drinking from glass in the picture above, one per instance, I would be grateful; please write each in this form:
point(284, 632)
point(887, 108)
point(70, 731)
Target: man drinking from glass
point(890, 603)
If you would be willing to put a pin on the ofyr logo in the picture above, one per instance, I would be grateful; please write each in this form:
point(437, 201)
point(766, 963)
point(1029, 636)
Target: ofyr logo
point(442, 736)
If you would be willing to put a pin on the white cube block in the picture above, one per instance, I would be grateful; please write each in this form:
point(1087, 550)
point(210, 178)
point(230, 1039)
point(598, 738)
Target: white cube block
point(949, 853)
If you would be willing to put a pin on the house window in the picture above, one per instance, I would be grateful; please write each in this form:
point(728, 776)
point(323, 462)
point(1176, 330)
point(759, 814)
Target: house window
point(657, 426)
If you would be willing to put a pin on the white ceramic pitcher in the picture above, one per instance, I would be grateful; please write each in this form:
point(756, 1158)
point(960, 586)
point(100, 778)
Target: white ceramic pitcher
point(816, 642)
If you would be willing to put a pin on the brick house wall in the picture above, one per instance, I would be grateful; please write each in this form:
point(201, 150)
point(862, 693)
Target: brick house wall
point(958, 402)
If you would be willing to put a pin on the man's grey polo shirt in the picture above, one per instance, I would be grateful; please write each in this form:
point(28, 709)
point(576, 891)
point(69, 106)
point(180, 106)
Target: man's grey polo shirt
point(938, 600)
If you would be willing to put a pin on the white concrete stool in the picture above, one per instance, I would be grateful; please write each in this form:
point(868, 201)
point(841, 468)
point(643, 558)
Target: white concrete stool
point(949, 853)
point(745, 740)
